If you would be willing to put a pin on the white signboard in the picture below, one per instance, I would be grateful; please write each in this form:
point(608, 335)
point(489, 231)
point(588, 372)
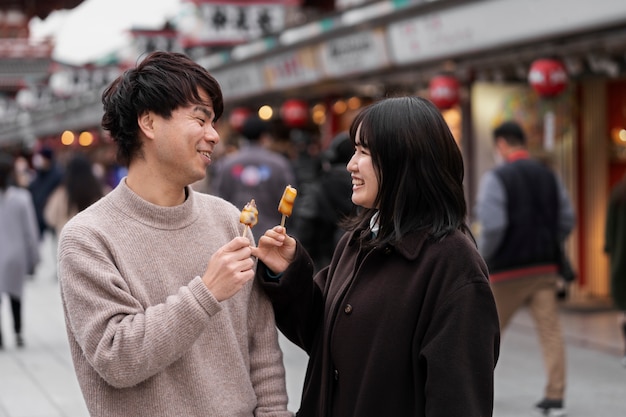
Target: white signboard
point(228, 22)
point(240, 81)
point(357, 53)
point(480, 25)
point(292, 69)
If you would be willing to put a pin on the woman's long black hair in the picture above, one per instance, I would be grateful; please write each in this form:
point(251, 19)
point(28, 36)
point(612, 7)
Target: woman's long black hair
point(419, 168)
point(82, 186)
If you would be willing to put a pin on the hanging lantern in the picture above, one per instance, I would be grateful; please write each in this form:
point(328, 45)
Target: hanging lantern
point(295, 113)
point(237, 117)
point(547, 77)
point(444, 91)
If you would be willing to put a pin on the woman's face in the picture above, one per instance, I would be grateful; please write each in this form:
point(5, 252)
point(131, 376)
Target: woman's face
point(364, 179)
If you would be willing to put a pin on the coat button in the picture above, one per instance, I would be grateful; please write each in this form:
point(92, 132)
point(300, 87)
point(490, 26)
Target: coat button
point(387, 250)
point(336, 375)
point(347, 309)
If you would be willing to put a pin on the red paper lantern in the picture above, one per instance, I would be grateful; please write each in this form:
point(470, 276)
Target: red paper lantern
point(444, 91)
point(547, 77)
point(237, 117)
point(295, 113)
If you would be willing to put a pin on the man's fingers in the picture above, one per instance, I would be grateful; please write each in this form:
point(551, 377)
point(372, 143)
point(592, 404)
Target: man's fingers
point(236, 244)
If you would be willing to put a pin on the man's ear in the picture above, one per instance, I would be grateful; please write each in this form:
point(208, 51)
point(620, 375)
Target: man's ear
point(501, 145)
point(146, 124)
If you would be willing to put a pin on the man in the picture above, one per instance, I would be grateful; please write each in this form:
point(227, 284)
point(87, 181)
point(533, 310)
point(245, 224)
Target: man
point(162, 314)
point(255, 172)
point(525, 213)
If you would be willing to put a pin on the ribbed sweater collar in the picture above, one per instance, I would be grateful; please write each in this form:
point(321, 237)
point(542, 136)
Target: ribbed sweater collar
point(169, 218)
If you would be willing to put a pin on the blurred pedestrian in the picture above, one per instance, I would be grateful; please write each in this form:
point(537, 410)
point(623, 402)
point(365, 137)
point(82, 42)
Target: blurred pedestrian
point(48, 176)
point(79, 189)
point(24, 174)
point(162, 312)
point(615, 247)
point(19, 247)
point(326, 203)
point(525, 214)
point(254, 172)
point(402, 322)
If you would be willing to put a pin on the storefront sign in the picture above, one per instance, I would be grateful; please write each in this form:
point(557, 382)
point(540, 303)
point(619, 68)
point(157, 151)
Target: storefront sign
point(361, 52)
point(292, 69)
point(463, 29)
point(206, 22)
point(240, 81)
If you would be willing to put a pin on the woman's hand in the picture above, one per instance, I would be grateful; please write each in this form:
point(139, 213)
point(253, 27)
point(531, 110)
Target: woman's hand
point(275, 249)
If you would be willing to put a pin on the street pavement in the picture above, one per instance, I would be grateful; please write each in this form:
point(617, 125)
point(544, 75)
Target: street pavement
point(38, 380)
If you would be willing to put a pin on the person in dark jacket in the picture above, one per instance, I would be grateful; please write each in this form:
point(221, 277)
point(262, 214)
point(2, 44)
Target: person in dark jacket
point(403, 321)
point(615, 247)
point(254, 172)
point(525, 214)
point(48, 176)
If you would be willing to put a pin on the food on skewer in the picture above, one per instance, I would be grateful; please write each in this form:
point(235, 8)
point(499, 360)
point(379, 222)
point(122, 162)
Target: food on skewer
point(249, 216)
point(286, 203)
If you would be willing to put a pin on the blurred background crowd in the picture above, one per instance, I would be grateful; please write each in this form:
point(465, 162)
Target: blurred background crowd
point(305, 68)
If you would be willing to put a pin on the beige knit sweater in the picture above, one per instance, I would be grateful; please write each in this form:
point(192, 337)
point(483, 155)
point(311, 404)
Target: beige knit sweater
point(149, 339)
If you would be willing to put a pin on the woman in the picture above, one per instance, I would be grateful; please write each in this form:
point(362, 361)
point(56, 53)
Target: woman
point(615, 247)
point(79, 189)
point(402, 322)
point(19, 242)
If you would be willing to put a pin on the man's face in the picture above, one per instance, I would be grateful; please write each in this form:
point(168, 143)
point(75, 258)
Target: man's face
point(184, 143)
point(499, 151)
point(40, 162)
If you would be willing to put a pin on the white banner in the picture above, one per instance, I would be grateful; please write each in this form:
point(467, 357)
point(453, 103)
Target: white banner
point(240, 81)
point(215, 22)
point(357, 53)
point(496, 23)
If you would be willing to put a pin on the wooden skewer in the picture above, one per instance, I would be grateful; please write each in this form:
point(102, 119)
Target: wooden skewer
point(282, 221)
point(245, 228)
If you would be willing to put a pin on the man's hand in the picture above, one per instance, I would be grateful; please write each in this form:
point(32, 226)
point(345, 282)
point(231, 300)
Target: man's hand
point(229, 269)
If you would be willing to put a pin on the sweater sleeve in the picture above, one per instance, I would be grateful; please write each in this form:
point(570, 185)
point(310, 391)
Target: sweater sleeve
point(123, 341)
point(491, 213)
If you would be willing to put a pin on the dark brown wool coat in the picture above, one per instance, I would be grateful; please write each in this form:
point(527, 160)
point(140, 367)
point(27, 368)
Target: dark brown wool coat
point(406, 330)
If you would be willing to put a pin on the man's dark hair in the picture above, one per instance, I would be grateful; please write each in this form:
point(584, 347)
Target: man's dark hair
point(253, 128)
point(511, 132)
point(162, 82)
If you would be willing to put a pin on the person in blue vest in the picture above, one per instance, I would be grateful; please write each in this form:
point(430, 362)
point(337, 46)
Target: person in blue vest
point(525, 214)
